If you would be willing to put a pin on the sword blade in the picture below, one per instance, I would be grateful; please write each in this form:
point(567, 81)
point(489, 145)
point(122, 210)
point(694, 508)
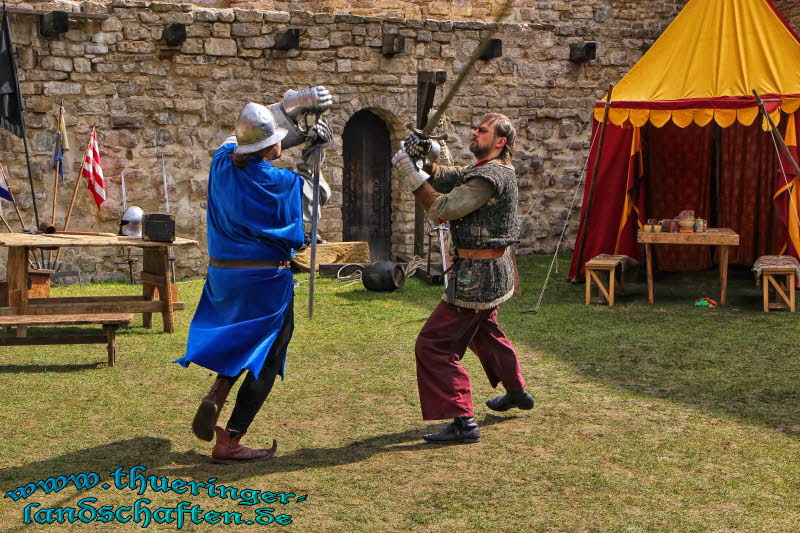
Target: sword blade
point(476, 55)
point(442, 249)
point(170, 253)
point(314, 225)
point(124, 193)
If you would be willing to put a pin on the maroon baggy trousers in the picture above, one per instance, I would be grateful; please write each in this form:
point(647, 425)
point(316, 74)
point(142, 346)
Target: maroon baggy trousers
point(444, 389)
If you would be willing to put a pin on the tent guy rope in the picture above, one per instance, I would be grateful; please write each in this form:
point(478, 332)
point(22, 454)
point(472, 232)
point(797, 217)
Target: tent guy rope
point(564, 229)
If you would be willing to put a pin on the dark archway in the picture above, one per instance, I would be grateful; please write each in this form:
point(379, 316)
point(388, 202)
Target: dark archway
point(366, 187)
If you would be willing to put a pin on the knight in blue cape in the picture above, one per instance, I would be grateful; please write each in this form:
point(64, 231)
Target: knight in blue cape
point(244, 320)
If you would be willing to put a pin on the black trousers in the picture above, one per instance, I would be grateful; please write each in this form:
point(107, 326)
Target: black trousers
point(253, 392)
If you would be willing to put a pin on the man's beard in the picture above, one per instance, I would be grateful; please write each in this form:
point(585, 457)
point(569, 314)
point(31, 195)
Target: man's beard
point(477, 151)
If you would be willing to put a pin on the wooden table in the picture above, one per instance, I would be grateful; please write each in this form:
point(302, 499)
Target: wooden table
point(156, 276)
point(721, 237)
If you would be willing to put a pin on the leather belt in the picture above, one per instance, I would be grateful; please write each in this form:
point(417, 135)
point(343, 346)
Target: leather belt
point(249, 263)
point(487, 253)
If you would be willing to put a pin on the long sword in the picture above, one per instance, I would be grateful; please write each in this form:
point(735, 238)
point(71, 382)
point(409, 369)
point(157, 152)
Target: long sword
point(129, 261)
point(448, 99)
point(124, 193)
point(170, 255)
point(441, 229)
point(314, 225)
point(476, 55)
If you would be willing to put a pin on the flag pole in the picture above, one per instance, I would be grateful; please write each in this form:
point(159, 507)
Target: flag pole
point(58, 163)
point(57, 171)
point(13, 61)
point(74, 195)
point(16, 207)
point(2, 218)
point(75, 190)
point(24, 129)
point(589, 199)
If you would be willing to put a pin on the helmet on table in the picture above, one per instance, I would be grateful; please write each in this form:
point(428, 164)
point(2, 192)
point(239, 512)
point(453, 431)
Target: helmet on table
point(131, 223)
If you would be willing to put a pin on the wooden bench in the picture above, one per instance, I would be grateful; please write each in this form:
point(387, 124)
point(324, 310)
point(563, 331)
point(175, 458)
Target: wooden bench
point(784, 288)
point(109, 321)
point(595, 267)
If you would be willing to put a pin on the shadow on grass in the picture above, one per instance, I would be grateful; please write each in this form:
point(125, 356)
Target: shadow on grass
point(100, 459)
point(37, 369)
point(353, 452)
point(157, 456)
point(737, 360)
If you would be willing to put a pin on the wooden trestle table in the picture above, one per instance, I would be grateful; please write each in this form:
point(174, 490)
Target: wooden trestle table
point(724, 238)
point(156, 275)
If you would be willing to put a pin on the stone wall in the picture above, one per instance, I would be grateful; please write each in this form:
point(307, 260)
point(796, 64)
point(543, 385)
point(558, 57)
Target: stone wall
point(147, 100)
point(790, 9)
point(526, 11)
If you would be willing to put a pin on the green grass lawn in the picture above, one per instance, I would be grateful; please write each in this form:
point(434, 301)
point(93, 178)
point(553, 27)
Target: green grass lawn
point(660, 417)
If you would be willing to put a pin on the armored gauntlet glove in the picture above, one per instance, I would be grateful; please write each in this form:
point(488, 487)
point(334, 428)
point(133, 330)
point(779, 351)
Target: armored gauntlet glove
point(413, 177)
point(320, 136)
point(420, 147)
point(313, 99)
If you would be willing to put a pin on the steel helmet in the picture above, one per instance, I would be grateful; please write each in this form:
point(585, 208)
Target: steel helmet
point(256, 129)
point(131, 223)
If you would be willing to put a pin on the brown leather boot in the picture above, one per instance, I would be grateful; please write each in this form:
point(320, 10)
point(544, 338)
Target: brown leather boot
point(229, 451)
point(207, 414)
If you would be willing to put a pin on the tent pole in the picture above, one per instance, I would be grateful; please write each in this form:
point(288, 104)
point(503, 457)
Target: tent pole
point(581, 262)
point(779, 138)
point(776, 134)
point(717, 144)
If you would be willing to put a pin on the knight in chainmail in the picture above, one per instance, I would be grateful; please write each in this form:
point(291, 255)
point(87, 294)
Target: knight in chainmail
point(480, 201)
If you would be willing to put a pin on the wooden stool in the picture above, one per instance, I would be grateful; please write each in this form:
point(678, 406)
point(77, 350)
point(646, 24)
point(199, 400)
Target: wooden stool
point(782, 287)
point(596, 265)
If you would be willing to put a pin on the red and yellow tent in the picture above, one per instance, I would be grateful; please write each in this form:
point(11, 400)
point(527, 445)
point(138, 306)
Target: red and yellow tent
point(684, 132)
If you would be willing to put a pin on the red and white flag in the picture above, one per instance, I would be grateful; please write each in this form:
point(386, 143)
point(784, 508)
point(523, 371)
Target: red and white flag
point(94, 171)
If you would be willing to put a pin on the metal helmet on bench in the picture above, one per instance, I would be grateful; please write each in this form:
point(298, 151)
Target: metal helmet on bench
point(131, 223)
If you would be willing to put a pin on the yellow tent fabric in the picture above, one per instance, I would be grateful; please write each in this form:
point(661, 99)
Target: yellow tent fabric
point(706, 64)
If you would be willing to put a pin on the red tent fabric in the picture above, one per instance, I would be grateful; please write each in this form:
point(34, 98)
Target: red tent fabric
point(684, 132)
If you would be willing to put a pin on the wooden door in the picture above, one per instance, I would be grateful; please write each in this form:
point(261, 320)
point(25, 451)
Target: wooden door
point(366, 187)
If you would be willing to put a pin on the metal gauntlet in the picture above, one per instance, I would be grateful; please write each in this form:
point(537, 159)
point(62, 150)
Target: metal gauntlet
point(414, 177)
point(293, 109)
point(421, 147)
point(313, 99)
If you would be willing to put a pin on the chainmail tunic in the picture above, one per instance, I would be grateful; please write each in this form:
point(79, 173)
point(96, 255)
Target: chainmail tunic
point(482, 283)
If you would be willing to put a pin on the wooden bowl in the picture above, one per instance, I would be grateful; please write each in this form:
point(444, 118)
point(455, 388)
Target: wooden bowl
point(686, 223)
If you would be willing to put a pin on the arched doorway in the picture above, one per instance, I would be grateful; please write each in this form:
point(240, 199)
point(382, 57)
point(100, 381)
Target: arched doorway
point(366, 187)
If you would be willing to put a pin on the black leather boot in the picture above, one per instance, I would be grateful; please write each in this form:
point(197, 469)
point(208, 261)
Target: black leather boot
point(504, 402)
point(461, 430)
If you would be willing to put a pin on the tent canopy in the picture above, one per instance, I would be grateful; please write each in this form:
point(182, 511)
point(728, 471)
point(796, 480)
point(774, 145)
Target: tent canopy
point(706, 64)
point(659, 157)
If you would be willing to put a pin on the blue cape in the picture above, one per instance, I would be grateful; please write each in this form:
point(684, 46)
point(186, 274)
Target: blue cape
point(253, 213)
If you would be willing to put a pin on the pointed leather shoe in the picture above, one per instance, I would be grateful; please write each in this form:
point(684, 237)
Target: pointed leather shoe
point(462, 430)
point(207, 414)
point(228, 450)
point(504, 402)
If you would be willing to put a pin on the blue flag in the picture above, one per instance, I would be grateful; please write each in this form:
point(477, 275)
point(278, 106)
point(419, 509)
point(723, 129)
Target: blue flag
point(58, 156)
point(10, 96)
point(4, 192)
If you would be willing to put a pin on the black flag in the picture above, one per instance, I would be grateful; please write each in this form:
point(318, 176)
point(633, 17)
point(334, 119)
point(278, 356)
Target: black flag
point(10, 97)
